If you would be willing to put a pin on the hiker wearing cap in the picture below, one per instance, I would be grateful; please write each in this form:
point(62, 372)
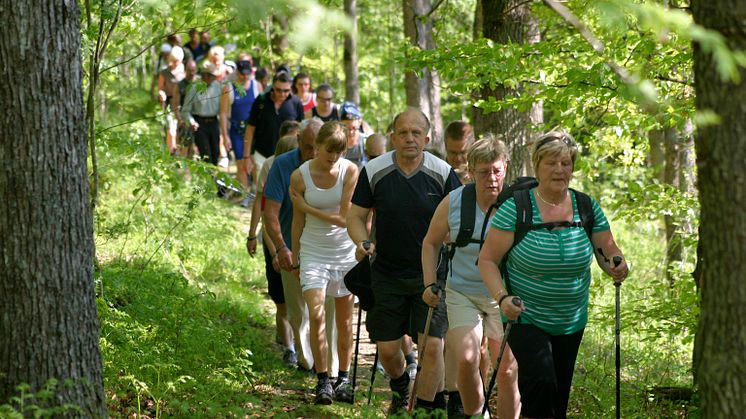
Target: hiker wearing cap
point(472, 312)
point(168, 85)
point(325, 109)
point(267, 113)
point(235, 106)
point(403, 187)
point(351, 116)
point(200, 110)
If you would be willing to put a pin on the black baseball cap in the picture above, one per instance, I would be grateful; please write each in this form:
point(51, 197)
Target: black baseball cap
point(244, 67)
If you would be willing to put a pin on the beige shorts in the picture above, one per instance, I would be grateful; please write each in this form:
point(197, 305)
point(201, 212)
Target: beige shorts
point(474, 311)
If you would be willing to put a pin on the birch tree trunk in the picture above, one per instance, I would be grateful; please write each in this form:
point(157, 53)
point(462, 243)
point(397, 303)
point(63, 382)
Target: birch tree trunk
point(352, 88)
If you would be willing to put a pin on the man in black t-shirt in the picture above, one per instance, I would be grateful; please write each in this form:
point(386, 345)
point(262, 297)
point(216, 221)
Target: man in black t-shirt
point(403, 186)
point(268, 112)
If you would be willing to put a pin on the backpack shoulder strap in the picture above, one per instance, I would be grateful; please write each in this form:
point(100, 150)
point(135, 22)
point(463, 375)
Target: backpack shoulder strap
point(466, 223)
point(585, 209)
point(524, 213)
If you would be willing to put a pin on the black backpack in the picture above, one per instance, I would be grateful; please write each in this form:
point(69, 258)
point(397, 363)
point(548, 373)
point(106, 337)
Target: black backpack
point(519, 191)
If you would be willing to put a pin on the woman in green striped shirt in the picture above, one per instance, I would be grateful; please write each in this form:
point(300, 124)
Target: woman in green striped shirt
point(550, 271)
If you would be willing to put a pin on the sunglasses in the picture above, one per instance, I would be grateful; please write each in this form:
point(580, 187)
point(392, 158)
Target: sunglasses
point(555, 137)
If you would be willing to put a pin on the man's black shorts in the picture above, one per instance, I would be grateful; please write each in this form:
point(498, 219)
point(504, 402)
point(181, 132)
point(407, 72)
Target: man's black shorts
point(399, 309)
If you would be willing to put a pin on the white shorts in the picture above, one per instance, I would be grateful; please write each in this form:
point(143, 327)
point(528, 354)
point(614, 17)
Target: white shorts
point(315, 276)
point(474, 311)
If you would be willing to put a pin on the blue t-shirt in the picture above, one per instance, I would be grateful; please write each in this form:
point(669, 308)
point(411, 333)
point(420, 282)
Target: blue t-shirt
point(276, 189)
point(404, 205)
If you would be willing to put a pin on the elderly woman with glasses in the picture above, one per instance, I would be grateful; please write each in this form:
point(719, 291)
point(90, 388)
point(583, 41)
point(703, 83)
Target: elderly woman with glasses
point(549, 269)
point(472, 311)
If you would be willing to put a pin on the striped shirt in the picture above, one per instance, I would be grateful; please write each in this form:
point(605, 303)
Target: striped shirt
point(550, 270)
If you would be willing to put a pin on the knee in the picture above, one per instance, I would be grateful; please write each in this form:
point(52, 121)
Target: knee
point(434, 349)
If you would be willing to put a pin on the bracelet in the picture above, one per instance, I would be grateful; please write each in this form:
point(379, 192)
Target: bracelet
point(250, 238)
point(499, 294)
point(280, 248)
point(500, 301)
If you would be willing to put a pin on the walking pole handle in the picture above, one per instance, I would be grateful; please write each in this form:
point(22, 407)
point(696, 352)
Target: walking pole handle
point(366, 245)
point(617, 260)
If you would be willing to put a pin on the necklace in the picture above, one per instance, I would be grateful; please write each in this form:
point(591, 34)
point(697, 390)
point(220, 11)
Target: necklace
point(547, 202)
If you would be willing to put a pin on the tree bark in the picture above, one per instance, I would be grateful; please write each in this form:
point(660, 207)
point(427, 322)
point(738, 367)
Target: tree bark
point(49, 328)
point(720, 347)
point(671, 177)
point(423, 92)
point(352, 89)
point(506, 21)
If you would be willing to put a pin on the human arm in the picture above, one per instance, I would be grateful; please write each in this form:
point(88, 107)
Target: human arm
point(225, 109)
point(606, 249)
point(162, 89)
point(256, 214)
point(436, 235)
point(186, 110)
point(248, 139)
point(272, 226)
point(357, 218)
point(299, 218)
point(496, 246)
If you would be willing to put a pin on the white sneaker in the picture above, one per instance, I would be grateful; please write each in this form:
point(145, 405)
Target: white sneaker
point(412, 371)
point(224, 162)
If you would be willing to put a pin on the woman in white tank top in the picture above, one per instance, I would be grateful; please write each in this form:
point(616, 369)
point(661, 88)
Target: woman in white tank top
point(321, 190)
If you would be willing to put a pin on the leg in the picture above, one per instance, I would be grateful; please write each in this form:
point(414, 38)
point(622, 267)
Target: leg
point(331, 336)
point(214, 140)
point(508, 396)
point(536, 381)
point(344, 306)
point(463, 351)
point(298, 319)
point(202, 142)
point(564, 351)
point(315, 300)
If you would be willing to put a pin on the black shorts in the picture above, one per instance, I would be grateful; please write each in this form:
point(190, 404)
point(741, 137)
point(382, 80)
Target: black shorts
point(399, 309)
point(274, 279)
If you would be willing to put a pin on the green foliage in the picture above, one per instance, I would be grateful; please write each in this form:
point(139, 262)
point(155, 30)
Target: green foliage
point(29, 404)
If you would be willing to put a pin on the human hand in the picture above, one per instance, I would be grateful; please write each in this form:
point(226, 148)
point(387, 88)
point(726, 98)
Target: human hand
point(431, 295)
point(298, 200)
point(195, 126)
point(251, 245)
point(512, 307)
point(285, 258)
point(365, 248)
point(618, 269)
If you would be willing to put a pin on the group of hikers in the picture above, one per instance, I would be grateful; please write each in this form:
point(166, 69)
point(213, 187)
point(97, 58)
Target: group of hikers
point(459, 260)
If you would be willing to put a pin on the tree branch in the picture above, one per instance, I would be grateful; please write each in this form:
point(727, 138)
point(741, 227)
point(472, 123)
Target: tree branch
point(432, 9)
point(666, 78)
point(596, 44)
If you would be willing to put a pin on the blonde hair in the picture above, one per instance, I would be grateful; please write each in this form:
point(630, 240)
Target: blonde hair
point(488, 149)
point(552, 144)
point(333, 136)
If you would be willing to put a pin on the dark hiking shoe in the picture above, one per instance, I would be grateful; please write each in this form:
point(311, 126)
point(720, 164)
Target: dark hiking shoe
point(455, 408)
point(343, 391)
point(290, 358)
point(398, 403)
point(324, 393)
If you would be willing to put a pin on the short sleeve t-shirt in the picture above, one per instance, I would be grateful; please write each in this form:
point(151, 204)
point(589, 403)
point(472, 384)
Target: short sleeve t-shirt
point(404, 205)
point(266, 121)
point(276, 189)
point(550, 270)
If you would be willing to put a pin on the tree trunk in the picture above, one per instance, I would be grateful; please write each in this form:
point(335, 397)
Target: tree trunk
point(423, 92)
point(280, 43)
point(670, 177)
point(720, 348)
point(352, 89)
point(48, 323)
point(506, 21)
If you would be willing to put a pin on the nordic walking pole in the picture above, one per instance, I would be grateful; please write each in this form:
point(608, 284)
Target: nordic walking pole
point(373, 375)
point(617, 285)
point(413, 394)
point(357, 352)
point(516, 302)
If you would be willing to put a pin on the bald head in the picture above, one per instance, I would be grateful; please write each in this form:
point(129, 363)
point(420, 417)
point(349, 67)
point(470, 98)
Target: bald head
point(375, 145)
point(309, 129)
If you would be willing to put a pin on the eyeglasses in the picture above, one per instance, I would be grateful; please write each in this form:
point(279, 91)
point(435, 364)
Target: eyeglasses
point(281, 90)
point(324, 99)
point(487, 173)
